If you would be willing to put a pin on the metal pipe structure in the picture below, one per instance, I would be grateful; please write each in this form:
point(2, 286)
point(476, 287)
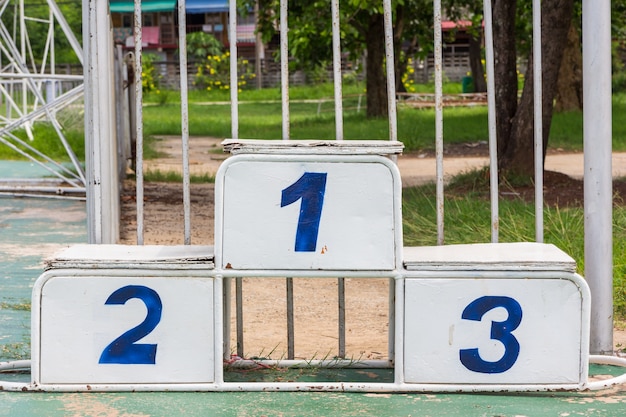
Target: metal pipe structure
point(597, 134)
point(337, 70)
point(284, 66)
point(101, 183)
point(393, 136)
point(439, 120)
point(337, 78)
point(491, 101)
point(184, 118)
point(234, 90)
point(139, 118)
point(538, 118)
point(391, 73)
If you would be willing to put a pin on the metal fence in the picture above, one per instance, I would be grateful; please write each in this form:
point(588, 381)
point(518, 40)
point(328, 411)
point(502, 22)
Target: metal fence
point(598, 258)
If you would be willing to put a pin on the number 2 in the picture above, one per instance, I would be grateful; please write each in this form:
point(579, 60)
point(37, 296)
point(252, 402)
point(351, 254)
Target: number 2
point(500, 330)
point(310, 187)
point(124, 350)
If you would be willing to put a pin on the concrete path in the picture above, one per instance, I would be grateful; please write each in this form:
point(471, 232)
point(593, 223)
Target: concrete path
point(205, 158)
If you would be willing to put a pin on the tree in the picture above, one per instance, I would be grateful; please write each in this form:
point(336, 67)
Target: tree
point(362, 29)
point(515, 120)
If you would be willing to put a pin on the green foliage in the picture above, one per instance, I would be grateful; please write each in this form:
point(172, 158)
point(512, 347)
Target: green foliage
point(150, 78)
point(214, 73)
point(201, 45)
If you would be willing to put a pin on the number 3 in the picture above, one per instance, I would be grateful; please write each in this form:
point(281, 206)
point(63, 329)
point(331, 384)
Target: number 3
point(500, 330)
point(124, 350)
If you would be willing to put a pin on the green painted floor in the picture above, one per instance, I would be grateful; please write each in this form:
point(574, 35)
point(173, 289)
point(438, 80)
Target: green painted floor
point(606, 403)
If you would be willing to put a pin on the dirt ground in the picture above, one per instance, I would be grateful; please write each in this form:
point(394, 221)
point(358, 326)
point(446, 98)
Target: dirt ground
point(315, 300)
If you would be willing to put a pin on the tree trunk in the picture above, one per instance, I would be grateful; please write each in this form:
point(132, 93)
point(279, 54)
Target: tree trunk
point(569, 93)
point(401, 61)
point(476, 65)
point(518, 157)
point(505, 55)
point(376, 82)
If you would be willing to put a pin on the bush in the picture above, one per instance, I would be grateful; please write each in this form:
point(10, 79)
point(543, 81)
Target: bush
point(619, 82)
point(150, 78)
point(200, 45)
point(214, 73)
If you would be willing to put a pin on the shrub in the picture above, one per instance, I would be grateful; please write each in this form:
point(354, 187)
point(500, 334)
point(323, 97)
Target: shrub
point(214, 73)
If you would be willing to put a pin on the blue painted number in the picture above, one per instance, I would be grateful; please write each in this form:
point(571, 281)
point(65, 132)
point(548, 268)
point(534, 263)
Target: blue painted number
point(310, 187)
point(124, 350)
point(500, 330)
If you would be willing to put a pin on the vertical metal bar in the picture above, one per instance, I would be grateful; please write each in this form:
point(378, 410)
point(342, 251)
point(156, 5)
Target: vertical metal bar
point(393, 136)
point(284, 66)
point(597, 116)
point(439, 121)
point(337, 78)
point(337, 70)
point(100, 155)
point(491, 112)
point(234, 131)
point(239, 307)
point(24, 60)
point(92, 171)
point(226, 295)
point(284, 78)
point(290, 320)
point(184, 117)
point(391, 74)
point(139, 120)
point(234, 88)
point(258, 51)
point(538, 117)
point(341, 317)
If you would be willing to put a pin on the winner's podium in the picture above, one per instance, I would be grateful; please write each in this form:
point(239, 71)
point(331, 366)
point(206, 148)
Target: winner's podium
point(486, 317)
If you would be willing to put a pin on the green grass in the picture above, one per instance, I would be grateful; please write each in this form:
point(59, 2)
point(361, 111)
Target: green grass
point(259, 119)
point(160, 176)
point(46, 140)
point(467, 220)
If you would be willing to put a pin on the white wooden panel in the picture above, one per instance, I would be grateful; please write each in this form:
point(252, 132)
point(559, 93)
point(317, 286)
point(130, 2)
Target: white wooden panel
point(357, 222)
point(549, 333)
point(77, 326)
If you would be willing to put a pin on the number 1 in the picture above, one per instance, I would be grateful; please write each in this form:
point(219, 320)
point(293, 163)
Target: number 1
point(310, 187)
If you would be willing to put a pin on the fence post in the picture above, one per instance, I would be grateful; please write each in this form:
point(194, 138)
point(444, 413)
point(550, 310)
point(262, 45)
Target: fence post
point(598, 194)
point(100, 139)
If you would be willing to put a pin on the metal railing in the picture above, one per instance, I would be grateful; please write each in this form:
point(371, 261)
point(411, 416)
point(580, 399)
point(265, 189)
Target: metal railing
point(598, 255)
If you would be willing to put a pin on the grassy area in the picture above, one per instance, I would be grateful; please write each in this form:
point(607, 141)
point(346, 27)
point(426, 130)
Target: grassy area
point(46, 140)
point(260, 117)
point(467, 220)
point(160, 176)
